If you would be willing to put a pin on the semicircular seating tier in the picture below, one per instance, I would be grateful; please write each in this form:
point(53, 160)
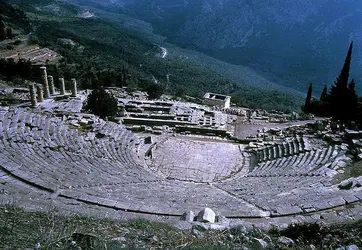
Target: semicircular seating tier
point(103, 164)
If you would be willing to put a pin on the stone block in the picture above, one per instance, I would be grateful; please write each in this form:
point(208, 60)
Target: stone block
point(188, 216)
point(206, 215)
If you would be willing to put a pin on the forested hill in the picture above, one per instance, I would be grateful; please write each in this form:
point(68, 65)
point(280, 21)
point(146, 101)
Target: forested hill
point(102, 51)
point(290, 42)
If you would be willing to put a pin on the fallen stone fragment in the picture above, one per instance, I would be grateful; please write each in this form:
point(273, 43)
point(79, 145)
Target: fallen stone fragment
point(188, 216)
point(206, 215)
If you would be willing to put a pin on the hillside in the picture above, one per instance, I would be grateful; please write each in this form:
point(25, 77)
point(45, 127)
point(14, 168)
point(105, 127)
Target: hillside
point(289, 42)
point(99, 50)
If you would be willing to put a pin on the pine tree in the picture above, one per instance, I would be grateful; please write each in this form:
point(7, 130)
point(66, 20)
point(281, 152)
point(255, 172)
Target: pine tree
point(338, 98)
point(307, 105)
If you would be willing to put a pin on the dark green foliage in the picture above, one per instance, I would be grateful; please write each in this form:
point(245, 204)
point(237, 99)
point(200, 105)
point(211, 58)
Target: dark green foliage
point(179, 91)
point(351, 100)
point(324, 236)
point(342, 101)
point(341, 108)
point(2, 31)
point(324, 94)
point(14, 17)
point(108, 55)
point(101, 103)
point(9, 33)
point(304, 232)
point(33, 40)
point(238, 99)
point(154, 90)
point(118, 57)
point(269, 100)
point(307, 104)
point(10, 68)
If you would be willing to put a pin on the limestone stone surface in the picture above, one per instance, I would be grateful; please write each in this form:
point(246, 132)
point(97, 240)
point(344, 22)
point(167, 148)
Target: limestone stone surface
point(198, 160)
point(188, 216)
point(206, 215)
point(58, 154)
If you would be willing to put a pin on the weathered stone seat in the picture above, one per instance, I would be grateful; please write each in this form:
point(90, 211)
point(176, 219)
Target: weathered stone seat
point(61, 155)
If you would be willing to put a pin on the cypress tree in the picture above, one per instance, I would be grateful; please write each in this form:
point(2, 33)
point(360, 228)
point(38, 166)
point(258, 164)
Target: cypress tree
point(324, 94)
point(351, 101)
point(9, 33)
point(338, 98)
point(342, 79)
point(2, 31)
point(307, 105)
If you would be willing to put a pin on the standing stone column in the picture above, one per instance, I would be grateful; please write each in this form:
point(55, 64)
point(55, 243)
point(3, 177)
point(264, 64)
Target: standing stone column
point(33, 101)
point(39, 92)
point(61, 86)
point(44, 77)
point(74, 87)
point(51, 85)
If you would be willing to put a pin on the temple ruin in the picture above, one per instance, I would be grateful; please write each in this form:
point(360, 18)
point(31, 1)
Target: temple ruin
point(213, 99)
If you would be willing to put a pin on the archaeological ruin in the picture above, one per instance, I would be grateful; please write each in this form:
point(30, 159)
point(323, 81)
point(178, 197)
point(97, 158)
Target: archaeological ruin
point(166, 157)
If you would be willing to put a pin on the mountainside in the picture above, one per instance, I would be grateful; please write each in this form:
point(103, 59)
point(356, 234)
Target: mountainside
point(291, 42)
point(102, 47)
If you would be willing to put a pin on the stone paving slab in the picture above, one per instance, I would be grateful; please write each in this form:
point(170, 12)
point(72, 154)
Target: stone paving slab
point(199, 161)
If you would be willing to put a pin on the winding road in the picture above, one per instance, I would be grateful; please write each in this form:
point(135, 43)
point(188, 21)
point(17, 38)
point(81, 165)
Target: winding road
point(164, 52)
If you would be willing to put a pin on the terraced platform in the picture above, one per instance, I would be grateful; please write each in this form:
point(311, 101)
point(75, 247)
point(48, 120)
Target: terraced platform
point(103, 164)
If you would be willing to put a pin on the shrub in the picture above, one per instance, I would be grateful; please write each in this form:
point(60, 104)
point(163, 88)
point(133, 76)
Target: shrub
point(101, 103)
point(154, 91)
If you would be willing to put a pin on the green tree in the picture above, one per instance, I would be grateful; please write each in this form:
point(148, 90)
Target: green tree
point(308, 99)
point(101, 103)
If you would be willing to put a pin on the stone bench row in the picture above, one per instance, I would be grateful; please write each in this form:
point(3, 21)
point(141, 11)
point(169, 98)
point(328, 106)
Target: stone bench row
point(62, 156)
point(289, 195)
point(302, 164)
point(279, 150)
point(53, 165)
point(46, 124)
point(305, 200)
point(272, 185)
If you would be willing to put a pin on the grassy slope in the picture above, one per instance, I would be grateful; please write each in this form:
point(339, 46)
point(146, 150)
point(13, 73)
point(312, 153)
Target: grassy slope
point(21, 230)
